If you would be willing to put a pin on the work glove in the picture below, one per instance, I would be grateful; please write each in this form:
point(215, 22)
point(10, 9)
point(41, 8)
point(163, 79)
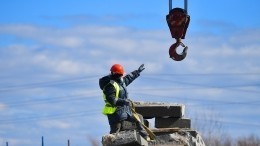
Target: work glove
point(122, 102)
point(129, 101)
point(141, 68)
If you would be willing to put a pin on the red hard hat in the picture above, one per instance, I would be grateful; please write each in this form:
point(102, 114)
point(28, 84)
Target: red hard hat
point(117, 69)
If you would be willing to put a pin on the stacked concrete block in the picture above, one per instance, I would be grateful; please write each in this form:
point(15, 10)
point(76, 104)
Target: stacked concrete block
point(172, 123)
point(166, 115)
point(152, 110)
point(171, 128)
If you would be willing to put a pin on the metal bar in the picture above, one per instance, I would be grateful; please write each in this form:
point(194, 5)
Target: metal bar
point(170, 5)
point(186, 5)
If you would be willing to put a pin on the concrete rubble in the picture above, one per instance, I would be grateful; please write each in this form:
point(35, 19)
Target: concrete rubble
point(171, 128)
point(124, 138)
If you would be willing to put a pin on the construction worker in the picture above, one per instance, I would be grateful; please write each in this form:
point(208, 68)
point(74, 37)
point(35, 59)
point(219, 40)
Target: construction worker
point(117, 105)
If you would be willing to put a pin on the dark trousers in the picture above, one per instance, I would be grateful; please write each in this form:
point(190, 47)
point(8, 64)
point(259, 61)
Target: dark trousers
point(115, 128)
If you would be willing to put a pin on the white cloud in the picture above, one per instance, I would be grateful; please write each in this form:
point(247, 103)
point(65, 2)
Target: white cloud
point(54, 124)
point(93, 49)
point(65, 41)
point(58, 65)
point(111, 43)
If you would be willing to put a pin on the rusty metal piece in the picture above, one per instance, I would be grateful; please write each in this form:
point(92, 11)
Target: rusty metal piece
point(173, 51)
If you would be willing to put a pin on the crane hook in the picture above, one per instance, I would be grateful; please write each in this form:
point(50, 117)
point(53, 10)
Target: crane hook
point(178, 21)
point(173, 51)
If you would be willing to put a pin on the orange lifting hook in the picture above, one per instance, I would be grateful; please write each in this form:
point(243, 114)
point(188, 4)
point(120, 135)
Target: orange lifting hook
point(178, 21)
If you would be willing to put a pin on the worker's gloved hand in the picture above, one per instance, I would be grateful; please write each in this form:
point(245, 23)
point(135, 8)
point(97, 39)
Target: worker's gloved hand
point(127, 102)
point(141, 68)
point(122, 102)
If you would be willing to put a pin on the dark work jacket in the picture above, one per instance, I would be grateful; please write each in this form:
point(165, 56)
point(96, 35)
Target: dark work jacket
point(123, 109)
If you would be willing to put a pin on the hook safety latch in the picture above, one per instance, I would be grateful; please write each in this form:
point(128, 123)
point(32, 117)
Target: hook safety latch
point(173, 51)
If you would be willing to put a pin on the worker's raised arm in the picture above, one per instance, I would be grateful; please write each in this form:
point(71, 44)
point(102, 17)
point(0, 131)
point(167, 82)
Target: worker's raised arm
point(133, 75)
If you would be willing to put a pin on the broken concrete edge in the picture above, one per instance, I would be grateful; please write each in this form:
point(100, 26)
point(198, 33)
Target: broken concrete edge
point(165, 136)
point(129, 138)
point(142, 103)
point(160, 131)
point(180, 138)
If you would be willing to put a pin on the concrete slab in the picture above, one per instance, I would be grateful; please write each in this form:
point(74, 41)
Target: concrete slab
point(156, 109)
point(124, 138)
point(172, 123)
point(126, 125)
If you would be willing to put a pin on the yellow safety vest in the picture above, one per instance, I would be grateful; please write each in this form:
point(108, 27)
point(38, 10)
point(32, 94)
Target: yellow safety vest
point(110, 109)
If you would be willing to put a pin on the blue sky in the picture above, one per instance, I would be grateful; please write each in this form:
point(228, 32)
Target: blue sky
point(52, 54)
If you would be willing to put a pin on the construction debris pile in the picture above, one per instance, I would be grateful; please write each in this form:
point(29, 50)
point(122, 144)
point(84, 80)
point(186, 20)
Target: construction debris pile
point(171, 128)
